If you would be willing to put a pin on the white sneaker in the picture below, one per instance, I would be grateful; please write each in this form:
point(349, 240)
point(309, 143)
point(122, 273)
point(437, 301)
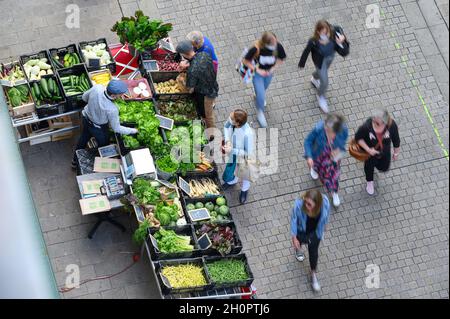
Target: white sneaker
point(370, 188)
point(315, 283)
point(314, 174)
point(336, 200)
point(315, 82)
point(261, 119)
point(323, 104)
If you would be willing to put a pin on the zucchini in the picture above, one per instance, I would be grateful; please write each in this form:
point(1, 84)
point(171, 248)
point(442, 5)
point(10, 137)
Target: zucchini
point(51, 87)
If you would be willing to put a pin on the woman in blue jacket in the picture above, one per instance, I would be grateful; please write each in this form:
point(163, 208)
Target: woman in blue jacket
point(324, 148)
point(308, 221)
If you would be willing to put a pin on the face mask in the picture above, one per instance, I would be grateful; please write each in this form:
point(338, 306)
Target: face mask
point(324, 37)
point(271, 47)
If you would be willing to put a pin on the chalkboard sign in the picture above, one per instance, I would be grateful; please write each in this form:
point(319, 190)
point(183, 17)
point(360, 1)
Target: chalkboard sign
point(139, 213)
point(108, 151)
point(204, 242)
point(165, 122)
point(150, 65)
point(199, 214)
point(154, 242)
point(94, 63)
point(184, 186)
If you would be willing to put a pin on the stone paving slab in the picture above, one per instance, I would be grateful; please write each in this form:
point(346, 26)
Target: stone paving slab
point(404, 229)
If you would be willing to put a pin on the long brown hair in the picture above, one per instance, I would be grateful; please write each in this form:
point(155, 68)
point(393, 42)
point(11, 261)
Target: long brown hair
point(321, 24)
point(316, 197)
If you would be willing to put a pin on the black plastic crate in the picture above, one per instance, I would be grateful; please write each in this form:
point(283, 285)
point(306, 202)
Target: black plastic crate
point(236, 248)
point(178, 98)
point(40, 55)
point(187, 200)
point(61, 52)
point(51, 108)
point(186, 230)
point(199, 175)
point(157, 77)
point(74, 102)
point(111, 66)
point(165, 289)
point(241, 283)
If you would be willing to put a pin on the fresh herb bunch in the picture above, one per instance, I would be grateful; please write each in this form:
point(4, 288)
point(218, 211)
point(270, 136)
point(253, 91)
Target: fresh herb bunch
point(141, 32)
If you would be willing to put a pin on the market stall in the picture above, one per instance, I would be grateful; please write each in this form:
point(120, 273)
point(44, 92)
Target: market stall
point(184, 222)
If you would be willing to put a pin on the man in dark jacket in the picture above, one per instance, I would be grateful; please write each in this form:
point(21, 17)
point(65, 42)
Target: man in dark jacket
point(200, 79)
point(325, 42)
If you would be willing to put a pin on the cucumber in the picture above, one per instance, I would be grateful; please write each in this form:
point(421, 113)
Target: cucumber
point(75, 56)
point(33, 94)
point(44, 87)
point(37, 92)
point(51, 87)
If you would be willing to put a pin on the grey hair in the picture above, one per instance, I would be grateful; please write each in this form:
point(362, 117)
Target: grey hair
point(195, 37)
point(335, 122)
point(383, 115)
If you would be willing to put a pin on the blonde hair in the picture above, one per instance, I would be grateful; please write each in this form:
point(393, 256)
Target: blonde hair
point(196, 37)
point(265, 39)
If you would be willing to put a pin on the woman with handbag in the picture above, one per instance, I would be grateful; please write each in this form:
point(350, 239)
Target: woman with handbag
point(239, 146)
point(308, 222)
point(375, 137)
point(324, 148)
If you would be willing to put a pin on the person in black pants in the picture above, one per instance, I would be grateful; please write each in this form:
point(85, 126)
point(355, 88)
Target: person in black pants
point(308, 220)
point(375, 137)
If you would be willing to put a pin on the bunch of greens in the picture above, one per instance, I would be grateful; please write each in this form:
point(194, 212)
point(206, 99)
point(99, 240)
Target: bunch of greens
point(141, 32)
point(167, 164)
point(166, 214)
point(141, 233)
point(145, 192)
point(227, 271)
point(222, 237)
point(130, 142)
point(169, 242)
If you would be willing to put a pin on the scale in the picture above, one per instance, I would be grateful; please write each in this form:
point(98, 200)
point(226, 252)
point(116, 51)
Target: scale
point(113, 187)
point(138, 163)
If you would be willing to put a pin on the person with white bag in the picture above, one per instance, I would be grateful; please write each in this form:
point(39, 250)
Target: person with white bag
point(240, 148)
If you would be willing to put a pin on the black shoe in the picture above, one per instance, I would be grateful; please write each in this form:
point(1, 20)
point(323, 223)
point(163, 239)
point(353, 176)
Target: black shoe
point(243, 197)
point(226, 186)
point(74, 165)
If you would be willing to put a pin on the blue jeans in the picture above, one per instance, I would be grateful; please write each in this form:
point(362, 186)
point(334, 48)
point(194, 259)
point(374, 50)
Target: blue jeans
point(100, 132)
point(322, 74)
point(261, 84)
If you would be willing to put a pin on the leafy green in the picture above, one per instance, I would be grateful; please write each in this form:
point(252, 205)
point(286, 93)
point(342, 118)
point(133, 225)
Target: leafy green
point(179, 111)
point(166, 213)
point(169, 242)
point(141, 32)
point(130, 142)
point(167, 164)
point(144, 192)
point(135, 111)
point(141, 233)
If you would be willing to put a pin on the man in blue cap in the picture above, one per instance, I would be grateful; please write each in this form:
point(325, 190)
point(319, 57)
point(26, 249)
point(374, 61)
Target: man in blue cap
point(100, 113)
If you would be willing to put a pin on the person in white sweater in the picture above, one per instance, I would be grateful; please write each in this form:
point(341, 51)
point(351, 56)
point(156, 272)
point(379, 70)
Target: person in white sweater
point(239, 145)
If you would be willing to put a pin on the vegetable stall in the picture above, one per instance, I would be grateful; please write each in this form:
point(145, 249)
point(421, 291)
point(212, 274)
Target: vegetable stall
point(184, 221)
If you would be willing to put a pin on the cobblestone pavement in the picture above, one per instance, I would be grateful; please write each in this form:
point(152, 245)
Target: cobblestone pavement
point(404, 229)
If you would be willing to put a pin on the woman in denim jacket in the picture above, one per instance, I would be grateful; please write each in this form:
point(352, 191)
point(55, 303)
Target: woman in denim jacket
point(324, 149)
point(308, 222)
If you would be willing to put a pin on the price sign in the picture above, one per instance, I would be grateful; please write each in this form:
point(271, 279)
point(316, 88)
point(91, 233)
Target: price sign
point(94, 63)
point(184, 186)
point(139, 213)
point(150, 65)
point(204, 242)
point(108, 151)
point(154, 242)
point(166, 45)
point(165, 122)
point(199, 214)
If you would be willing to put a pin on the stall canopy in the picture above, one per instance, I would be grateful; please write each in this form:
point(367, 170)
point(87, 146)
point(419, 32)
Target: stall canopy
point(25, 269)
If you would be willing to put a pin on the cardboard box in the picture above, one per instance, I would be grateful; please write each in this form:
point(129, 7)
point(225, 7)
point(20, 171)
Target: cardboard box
point(107, 165)
point(94, 205)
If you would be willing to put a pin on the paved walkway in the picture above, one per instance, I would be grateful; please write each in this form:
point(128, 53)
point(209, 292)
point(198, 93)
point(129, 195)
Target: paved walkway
point(404, 229)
